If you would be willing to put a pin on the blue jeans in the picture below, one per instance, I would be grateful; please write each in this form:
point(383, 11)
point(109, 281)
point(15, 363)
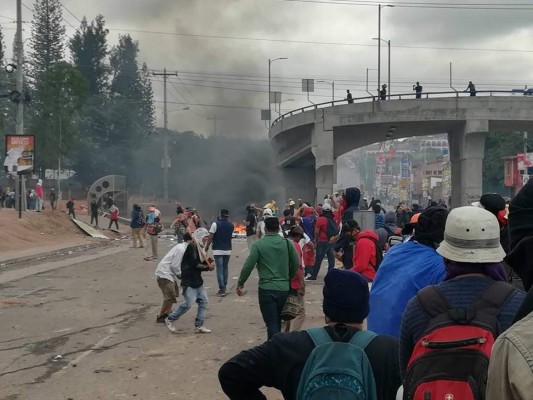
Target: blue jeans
point(221, 264)
point(323, 249)
point(190, 296)
point(271, 303)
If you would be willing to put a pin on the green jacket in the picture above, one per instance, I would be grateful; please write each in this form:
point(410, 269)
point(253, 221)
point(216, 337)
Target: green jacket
point(277, 263)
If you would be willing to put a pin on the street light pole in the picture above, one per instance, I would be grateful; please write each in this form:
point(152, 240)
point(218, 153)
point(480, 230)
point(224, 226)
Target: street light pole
point(380, 6)
point(269, 90)
point(389, 62)
point(332, 89)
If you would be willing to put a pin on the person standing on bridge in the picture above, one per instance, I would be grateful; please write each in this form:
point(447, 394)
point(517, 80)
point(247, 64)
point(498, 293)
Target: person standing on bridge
point(471, 88)
point(349, 97)
point(418, 90)
point(383, 92)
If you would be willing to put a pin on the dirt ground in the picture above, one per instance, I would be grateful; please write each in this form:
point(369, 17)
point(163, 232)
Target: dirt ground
point(83, 328)
point(41, 232)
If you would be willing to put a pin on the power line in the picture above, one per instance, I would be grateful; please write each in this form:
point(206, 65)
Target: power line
point(456, 6)
point(67, 10)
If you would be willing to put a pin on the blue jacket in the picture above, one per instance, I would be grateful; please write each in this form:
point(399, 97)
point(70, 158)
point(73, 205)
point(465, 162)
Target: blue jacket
point(137, 219)
point(406, 268)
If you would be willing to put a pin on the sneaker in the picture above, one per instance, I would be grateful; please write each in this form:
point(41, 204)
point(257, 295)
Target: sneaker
point(221, 293)
point(200, 329)
point(170, 325)
point(161, 318)
point(310, 278)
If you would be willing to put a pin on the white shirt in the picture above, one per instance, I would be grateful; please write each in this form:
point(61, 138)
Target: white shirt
point(212, 230)
point(170, 266)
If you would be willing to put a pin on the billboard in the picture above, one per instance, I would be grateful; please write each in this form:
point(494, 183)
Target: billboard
point(20, 153)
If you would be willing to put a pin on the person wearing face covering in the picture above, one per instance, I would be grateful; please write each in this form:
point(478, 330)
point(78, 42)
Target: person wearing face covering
point(194, 262)
point(511, 365)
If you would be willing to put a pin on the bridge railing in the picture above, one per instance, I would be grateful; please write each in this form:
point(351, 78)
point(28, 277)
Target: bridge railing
point(424, 95)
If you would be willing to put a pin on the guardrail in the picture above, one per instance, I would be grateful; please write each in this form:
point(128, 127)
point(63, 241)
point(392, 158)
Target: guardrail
point(425, 95)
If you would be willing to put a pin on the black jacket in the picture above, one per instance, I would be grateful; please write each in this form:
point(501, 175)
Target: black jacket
point(279, 363)
point(191, 268)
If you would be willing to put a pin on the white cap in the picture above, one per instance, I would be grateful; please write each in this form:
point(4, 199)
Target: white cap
point(472, 235)
point(267, 212)
point(326, 207)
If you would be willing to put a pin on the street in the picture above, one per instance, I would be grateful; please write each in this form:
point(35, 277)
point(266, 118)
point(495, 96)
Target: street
point(83, 327)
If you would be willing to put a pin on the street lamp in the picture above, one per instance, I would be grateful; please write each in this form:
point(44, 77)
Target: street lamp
point(388, 44)
point(269, 108)
point(332, 90)
point(380, 6)
point(368, 69)
point(284, 101)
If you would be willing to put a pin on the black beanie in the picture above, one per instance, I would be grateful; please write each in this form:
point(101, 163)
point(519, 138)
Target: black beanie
point(430, 226)
point(521, 215)
point(345, 296)
point(493, 203)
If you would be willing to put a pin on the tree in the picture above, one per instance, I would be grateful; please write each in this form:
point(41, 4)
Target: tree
point(7, 83)
point(497, 146)
point(126, 78)
point(47, 37)
point(147, 105)
point(62, 94)
point(89, 51)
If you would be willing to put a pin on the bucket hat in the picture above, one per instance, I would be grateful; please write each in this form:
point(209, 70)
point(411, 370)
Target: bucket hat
point(472, 235)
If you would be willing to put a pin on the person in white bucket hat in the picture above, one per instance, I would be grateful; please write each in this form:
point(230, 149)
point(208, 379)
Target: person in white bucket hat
point(473, 262)
point(472, 235)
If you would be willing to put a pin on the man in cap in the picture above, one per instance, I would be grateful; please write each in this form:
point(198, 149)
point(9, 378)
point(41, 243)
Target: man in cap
point(407, 268)
point(193, 263)
point(220, 235)
point(511, 366)
point(473, 263)
point(151, 228)
point(279, 362)
point(277, 262)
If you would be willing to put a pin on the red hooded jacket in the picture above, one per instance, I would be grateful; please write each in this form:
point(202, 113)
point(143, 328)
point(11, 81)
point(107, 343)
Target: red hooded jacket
point(364, 255)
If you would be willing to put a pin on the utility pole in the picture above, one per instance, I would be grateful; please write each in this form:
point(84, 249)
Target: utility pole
point(166, 158)
point(20, 61)
point(215, 119)
point(19, 130)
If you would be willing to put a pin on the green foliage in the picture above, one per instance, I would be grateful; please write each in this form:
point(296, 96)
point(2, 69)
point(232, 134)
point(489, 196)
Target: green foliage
point(497, 146)
point(89, 51)
point(47, 37)
point(63, 91)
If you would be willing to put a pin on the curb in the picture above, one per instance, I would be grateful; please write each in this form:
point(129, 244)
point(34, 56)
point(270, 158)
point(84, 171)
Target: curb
point(75, 249)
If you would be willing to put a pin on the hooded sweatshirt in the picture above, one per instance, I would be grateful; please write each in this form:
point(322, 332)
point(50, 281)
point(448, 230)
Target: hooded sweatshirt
point(364, 256)
point(352, 197)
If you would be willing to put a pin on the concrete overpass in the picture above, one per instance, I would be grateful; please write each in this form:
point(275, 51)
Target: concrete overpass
point(308, 141)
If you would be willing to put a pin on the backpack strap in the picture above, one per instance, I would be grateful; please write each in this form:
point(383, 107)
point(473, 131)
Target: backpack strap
point(495, 296)
point(362, 339)
point(319, 336)
point(432, 301)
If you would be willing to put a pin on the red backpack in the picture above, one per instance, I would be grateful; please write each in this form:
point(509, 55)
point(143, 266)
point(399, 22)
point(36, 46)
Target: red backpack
point(450, 361)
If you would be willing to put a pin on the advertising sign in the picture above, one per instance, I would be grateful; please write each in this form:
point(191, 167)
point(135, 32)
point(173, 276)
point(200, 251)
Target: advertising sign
point(20, 153)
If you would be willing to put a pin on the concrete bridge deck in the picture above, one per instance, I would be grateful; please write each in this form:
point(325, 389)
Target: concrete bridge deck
point(309, 140)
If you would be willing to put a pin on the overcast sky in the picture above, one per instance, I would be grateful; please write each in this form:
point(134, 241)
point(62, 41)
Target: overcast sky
point(424, 42)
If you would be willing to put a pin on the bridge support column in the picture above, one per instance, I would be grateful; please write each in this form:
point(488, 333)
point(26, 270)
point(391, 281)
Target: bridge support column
point(322, 148)
point(467, 150)
point(299, 183)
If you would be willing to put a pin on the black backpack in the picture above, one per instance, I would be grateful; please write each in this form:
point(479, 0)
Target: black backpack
point(288, 223)
point(332, 229)
point(379, 252)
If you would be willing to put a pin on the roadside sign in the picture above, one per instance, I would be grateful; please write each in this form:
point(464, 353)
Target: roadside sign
point(20, 153)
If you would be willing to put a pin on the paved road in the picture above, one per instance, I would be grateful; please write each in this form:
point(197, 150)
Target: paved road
point(97, 311)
